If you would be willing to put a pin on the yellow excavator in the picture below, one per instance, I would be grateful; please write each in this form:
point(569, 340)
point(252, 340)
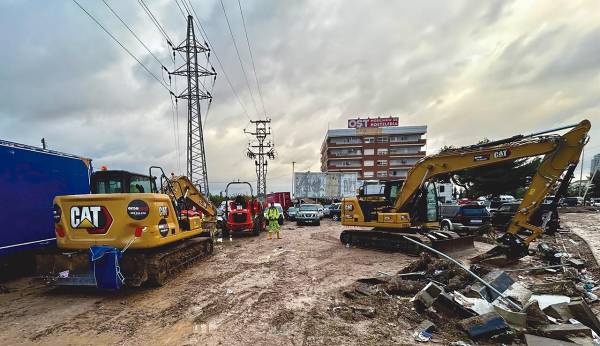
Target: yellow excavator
point(155, 228)
point(410, 209)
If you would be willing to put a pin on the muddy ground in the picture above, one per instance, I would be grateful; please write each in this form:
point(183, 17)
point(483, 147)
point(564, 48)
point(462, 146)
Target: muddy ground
point(251, 291)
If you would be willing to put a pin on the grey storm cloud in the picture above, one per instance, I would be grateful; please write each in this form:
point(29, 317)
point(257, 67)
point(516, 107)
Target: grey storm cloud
point(467, 69)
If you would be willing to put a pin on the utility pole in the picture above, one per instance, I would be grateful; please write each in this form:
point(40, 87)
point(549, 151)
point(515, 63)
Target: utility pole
point(194, 94)
point(293, 177)
point(581, 172)
point(260, 150)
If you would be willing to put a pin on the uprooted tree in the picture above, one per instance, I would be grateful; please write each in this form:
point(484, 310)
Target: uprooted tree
point(504, 178)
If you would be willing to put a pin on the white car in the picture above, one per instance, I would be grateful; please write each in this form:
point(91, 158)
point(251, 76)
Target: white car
point(321, 211)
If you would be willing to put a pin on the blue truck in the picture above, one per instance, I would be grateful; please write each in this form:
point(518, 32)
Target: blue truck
point(30, 178)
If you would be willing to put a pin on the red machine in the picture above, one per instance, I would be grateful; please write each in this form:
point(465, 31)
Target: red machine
point(243, 214)
point(282, 198)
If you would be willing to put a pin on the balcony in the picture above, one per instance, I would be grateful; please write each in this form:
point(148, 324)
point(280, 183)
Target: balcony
point(408, 142)
point(344, 164)
point(344, 153)
point(344, 141)
point(407, 154)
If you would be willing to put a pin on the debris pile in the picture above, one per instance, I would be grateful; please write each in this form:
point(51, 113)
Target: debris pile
point(491, 305)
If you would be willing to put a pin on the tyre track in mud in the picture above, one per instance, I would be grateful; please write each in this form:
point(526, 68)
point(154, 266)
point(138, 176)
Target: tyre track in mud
point(251, 291)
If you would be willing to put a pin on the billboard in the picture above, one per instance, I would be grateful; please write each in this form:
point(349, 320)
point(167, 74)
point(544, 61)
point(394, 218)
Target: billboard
point(372, 122)
point(324, 185)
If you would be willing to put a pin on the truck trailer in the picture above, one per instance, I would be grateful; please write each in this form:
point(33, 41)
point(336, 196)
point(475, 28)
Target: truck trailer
point(30, 178)
point(282, 198)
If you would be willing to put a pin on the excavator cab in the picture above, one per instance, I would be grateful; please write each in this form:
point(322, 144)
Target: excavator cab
point(118, 181)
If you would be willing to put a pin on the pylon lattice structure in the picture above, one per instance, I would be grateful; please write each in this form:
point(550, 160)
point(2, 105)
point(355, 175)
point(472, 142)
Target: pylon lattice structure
point(260, 150)
point(195, 93)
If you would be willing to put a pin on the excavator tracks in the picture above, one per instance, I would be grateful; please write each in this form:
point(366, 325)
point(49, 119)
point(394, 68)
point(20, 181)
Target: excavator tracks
point(386, 240)
point(156, 265)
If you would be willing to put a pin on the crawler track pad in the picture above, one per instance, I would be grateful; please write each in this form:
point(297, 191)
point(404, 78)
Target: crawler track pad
point(396, 241)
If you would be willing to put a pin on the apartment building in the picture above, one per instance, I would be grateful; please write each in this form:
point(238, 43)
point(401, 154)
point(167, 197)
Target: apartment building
point(375, 153)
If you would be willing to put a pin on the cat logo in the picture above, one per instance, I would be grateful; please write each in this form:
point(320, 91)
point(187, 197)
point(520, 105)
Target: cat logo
point(95, 219)
point(163, 211)
point(500, 154)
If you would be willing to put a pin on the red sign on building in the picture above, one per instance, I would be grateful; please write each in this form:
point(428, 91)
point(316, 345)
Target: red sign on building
point(372, 122)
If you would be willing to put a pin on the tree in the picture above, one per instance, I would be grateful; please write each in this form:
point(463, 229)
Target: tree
point(510, 177)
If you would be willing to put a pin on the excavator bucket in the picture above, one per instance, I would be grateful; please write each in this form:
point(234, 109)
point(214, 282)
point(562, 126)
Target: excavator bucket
point(450, 242)
point(510, 249)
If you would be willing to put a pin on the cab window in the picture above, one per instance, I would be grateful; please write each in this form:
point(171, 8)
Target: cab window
point(109, 186)
point(139, 184)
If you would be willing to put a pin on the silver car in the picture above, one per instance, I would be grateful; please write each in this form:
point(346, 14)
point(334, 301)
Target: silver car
point(308, 213)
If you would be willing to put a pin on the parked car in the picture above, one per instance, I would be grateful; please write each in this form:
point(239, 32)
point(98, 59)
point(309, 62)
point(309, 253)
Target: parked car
point(326, 210)
point(335, 211)
point(572, 201)
point(501, 218)
point(280, 209)
point(320, 209)
point(503, 215)
point(291, 213)
point(463, 218)
point(308, 213)
point(595, 202)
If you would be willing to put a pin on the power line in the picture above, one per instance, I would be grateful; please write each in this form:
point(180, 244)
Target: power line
point(156, 22)
point(214, 52)
point(122, 46)
point(133, 33)
point(252, 59)
point(180, 10)
point(239, 56)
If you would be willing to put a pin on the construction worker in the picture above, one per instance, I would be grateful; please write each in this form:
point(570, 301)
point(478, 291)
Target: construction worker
point(273, 217)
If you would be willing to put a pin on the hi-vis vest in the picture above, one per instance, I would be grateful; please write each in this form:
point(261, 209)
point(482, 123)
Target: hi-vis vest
point(272, 213)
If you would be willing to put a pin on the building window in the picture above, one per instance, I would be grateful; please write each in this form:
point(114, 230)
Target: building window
point(369, 139)
point(441, 188)
point(368, 174)
point(398, 173)
point(382, 139)
point(383, 151)
point(368, 163)
point(382, 163)
point(382, 174)
point(369, 151)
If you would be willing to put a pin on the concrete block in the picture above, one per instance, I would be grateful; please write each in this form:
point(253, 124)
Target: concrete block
point(582, 312)
point(535, 315)
point(576, 263)
point(445, 304)
point(518, 293)
point(484, 326)
point(425, 297)
point(534, 340)
point(564, 330)
point(497, 279)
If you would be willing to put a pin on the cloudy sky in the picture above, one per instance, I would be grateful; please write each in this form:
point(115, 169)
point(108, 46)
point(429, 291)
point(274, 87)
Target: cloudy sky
point(466, 69)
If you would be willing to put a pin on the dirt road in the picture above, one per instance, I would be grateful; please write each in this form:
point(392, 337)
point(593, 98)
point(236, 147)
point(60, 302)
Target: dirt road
point(251, 291)
point(587, 226)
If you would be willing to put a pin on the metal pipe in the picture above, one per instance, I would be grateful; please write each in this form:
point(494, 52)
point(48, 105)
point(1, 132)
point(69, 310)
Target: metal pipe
point(552, 130)
point(463, 267)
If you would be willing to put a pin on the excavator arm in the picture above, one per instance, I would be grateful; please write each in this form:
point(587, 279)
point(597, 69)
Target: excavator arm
point(183, 189)
point(560, 152)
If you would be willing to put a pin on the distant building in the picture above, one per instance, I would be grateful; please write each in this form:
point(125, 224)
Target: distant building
point(374, 153)
point(595, 164)
point(445, 192)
